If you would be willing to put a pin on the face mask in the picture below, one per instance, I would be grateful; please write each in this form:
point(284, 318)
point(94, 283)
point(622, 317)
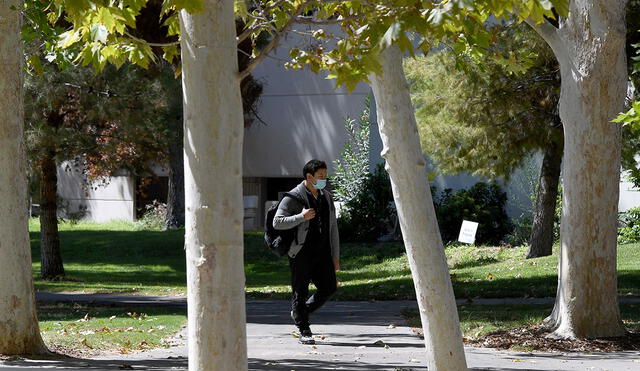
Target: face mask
point(321, 184)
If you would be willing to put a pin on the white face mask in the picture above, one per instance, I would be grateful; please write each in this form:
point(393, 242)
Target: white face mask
point(321, 183)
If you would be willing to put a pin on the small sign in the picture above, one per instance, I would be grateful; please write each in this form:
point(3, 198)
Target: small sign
point(468, 232)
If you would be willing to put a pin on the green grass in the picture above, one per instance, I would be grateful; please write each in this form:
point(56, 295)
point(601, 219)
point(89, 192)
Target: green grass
point(115, 257)
point(89, 329)
point(480, 320)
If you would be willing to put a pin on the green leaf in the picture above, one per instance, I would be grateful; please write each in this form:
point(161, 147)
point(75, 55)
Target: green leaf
point(68, 38)
point(99, 33)
point(33, 62)
point(106, 18)
point(240, 8)
point(391, 35)
point(75, 7)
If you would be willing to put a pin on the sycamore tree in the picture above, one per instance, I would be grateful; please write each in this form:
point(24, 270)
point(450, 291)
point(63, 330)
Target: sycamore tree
point(19, 330)
point(103, 32)
point(486, 119)
point(589, 43)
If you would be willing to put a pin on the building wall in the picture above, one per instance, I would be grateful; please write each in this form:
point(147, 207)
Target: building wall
point(106, 201)
point(303, 115)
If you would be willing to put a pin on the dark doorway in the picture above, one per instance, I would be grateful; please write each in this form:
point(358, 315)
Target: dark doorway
point(150, 189)
point(276, 186)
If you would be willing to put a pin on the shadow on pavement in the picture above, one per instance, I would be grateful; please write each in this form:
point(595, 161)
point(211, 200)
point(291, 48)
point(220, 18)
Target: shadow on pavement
point(96, 364)
point(315, 365)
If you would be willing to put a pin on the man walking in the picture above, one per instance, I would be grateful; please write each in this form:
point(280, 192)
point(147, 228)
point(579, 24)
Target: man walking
point(314, 255)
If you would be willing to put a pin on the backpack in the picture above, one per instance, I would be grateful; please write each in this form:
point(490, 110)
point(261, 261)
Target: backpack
point(279, 241)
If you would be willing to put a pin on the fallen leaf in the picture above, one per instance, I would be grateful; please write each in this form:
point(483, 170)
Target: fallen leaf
point(378, 342)
point(125, 367)
point(86, 343)
point(413, 360)
point(391, 326)
point(489, 276)
point(86, 318)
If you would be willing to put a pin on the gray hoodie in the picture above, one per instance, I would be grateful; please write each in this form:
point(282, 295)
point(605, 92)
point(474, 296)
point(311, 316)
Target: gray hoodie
point(289, 215)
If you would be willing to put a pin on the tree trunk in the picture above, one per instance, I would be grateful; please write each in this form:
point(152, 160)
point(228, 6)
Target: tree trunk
point(407, 170)
point(175, 199)
point(19, 331)
point(213, 189)
point(50, 257)
point(541, 241)
point(590, 46)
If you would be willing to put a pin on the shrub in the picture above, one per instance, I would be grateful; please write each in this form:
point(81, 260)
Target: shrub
point(483, 203)
point(154, 217)
point(352, 167)
point(371, 213)
point(521, 231)
point(629, 226)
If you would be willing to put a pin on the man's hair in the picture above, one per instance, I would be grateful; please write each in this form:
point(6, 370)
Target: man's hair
point(312, 166)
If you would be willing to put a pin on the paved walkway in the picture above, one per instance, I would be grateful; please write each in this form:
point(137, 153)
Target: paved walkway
point(356, 336)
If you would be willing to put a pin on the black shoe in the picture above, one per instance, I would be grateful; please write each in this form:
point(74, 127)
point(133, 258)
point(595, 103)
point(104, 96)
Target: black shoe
point(306, 337)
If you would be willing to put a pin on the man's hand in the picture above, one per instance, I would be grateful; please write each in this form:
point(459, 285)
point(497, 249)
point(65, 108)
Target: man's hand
point(308, 214)
point(336, 264)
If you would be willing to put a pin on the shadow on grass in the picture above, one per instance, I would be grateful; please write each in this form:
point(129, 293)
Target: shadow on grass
point(74, 311)
point(476, 263)
point(123, 260)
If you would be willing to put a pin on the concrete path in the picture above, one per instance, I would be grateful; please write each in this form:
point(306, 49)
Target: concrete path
point(351, 336)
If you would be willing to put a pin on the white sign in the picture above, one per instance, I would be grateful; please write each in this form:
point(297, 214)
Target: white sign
point(468, 232)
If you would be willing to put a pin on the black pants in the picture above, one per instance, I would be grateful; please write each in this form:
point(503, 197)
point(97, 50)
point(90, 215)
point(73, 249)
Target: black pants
point(312, 265)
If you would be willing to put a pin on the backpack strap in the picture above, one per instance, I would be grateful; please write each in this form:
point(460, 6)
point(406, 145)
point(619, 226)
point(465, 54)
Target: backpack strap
point(300, 201)
point(295, 197)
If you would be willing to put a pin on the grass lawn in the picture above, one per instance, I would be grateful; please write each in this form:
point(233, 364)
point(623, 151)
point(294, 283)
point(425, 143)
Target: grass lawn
point(73, 328)
point(480, 320)
point(115, 257)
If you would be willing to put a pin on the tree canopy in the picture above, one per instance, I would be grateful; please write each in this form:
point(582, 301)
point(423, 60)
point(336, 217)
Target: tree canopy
point(486, 119)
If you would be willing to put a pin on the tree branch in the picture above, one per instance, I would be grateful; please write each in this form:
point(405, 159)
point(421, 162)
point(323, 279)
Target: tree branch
point(162, 45)
point(272, 45)
point(549, 33)
point(311, 21)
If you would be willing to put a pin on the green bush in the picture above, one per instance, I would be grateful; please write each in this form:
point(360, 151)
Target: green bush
point(521, 232)
point(483, 203)
point(522, 225)
point(154, 217)
point(371, 213)
point(629, 222)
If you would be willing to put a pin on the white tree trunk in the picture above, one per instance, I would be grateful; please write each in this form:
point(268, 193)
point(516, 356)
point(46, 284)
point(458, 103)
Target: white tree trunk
point(213, 189)
point(407, 169)
point(590, 46)
point(19, 331)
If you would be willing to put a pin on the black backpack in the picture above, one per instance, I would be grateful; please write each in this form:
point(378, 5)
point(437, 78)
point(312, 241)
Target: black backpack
point(279, 241)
